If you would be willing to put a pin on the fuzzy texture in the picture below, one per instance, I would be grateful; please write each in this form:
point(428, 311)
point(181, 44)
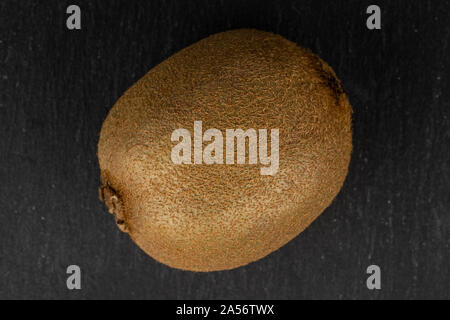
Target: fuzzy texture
point(216, 217)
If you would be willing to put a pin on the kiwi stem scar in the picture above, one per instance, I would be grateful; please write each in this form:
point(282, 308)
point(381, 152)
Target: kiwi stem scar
point(114, 203)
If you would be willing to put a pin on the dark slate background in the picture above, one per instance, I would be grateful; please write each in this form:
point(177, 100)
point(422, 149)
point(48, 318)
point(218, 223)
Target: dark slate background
point(56, 87)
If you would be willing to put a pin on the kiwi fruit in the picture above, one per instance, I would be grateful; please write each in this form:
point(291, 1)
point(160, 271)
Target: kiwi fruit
point(208, 217)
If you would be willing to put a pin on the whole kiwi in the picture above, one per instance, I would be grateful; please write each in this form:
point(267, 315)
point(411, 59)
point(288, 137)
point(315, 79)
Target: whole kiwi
point(207, 217)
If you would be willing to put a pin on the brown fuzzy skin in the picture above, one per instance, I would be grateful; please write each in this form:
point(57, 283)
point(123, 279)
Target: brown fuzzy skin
point(217, 217)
